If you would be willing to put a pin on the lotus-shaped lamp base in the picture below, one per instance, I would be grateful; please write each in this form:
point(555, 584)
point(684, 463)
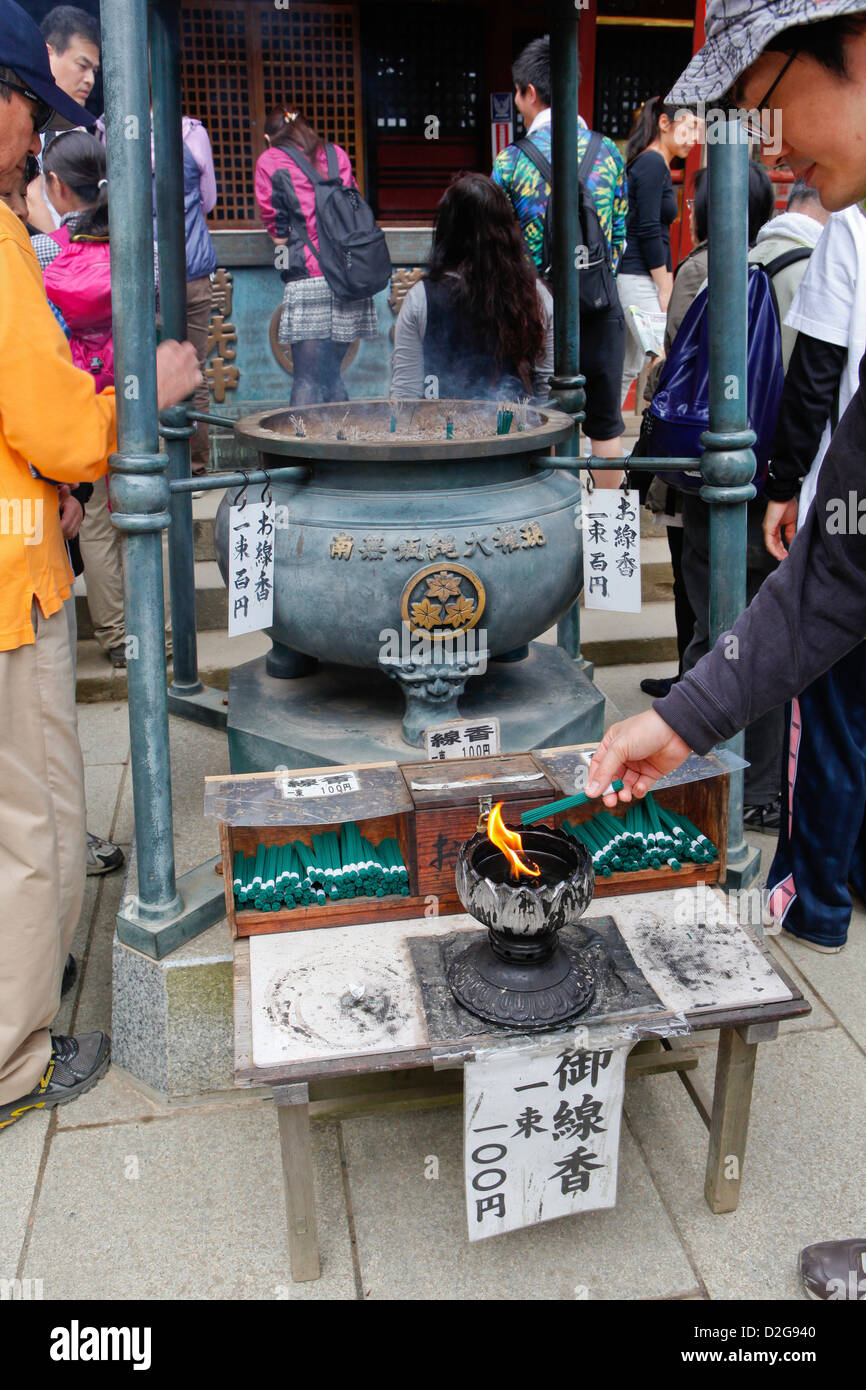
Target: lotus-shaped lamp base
point(521, 976)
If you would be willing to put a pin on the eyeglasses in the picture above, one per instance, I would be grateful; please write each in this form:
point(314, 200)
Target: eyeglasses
point(754, 131)
point(43, 114)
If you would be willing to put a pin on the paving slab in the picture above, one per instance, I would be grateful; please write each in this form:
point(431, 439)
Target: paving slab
point(21, 1147)
point(838, 979)
point(411, 1231)
point(103, 732)
point(190, 1207)
point(101, 789)
point(803, 1177)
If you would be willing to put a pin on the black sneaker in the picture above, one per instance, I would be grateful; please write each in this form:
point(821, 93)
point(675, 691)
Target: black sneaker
point(102, 856)
point(117, 655)
point(765, 817)
point(70, 974)
point(835, 1270)
point(76, 1065)
point(658, 689)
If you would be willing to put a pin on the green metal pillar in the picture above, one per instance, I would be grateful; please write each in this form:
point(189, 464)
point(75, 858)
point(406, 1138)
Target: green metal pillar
point(728, 463)
point(567, 385)
point(161, 913)
point(187, 696)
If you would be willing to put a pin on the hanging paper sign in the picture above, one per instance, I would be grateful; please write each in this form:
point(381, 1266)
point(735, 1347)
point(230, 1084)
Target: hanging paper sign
point(501, 121)
point(463, 738)
point(251, 567)
point(611, 549)
point(541, 1133)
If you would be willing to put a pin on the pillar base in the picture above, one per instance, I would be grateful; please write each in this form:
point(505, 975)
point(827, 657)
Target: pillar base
point(744, 872)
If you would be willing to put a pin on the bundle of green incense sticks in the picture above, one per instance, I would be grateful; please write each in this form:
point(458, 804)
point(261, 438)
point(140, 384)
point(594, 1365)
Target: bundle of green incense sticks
point(646, 837)
point(334, 865)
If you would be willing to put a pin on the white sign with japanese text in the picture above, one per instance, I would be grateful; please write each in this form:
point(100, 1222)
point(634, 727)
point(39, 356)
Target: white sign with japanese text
point(541, 1133)
point(251, 567)
point(611, 549)
point(335, 784)
point(463, 738)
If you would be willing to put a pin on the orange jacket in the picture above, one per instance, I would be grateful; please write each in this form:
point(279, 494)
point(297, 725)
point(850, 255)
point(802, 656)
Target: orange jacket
point(50, 416)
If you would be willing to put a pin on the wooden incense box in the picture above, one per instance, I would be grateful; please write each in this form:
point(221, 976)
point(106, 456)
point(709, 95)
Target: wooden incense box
point(431, 809)
point(450, 798)
point(704, 800)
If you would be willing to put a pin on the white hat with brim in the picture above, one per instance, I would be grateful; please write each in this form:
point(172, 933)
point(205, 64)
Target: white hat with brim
point(737, 33)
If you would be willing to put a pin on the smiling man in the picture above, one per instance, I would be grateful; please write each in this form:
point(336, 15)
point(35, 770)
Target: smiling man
point(805, 61)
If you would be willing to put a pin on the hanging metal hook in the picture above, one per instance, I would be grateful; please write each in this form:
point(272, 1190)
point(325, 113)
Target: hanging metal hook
point(267, 496)
point(242, 492)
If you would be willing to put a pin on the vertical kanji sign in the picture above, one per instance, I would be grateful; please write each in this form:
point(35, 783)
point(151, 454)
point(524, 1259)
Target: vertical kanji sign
point(251, 567)
point(611, 549)
point(541, 1133)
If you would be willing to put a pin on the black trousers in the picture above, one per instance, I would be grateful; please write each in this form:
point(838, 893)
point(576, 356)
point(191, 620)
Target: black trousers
point(764, 738)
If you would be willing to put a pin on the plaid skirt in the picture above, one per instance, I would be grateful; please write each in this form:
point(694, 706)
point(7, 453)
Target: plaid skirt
point(311, 311)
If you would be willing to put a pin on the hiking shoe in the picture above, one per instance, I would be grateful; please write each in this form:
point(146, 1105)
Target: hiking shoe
point(70, 973)
point(835, 1270)
point(813, 945)
point(76, 1065)
point(117, 655)
point(658, 689)
point(102, 856)
point(765, 817)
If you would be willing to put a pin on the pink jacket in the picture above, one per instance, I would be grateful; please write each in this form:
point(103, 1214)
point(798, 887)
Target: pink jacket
point(78, 281)
point(275, 158)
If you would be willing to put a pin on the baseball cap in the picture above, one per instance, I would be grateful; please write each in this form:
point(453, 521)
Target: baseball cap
point(737, 33)
point(22, 48)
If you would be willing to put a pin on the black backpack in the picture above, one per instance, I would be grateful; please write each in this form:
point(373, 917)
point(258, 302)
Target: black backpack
point(597, 284)
point(352, 254)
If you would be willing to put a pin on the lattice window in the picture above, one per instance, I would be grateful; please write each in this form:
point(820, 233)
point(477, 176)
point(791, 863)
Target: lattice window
point(241, 58)
point(216, 89)
point(311, 61)
point(632, 64)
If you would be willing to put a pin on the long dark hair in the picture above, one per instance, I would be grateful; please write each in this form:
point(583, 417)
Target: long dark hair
point(646, 126)
point(284, 126)
point(78, 159)
point(477, 236)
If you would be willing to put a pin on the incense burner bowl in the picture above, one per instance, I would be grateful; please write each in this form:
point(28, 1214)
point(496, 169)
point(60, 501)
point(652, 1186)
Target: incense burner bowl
point(522, 976)
point(410, 552)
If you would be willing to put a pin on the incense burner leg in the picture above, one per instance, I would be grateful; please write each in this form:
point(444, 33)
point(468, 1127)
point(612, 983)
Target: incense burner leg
point(293, 1116)
point(729, 1123)
point(431, 691)
point(287, 664)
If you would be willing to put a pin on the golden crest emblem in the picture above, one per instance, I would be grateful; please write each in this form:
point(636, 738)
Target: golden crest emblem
point(442, 600)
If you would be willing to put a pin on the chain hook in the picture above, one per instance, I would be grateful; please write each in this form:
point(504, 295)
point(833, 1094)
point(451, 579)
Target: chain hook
point(242, 492)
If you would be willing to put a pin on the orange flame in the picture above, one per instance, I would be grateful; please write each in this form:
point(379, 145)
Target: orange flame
point(510, 843)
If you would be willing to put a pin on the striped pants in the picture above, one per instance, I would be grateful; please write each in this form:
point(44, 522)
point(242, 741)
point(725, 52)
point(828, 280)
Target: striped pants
point(822, 837)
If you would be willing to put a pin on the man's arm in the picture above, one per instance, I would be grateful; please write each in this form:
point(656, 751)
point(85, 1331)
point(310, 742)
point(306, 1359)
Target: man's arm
point(619, 213)
point(811, 383)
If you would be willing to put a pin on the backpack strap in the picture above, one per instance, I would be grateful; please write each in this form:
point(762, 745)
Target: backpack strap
point(590, 156)
point(798, 253)
point(296, 217)
point(333, 166)
point(304, 164)
point(534, 155)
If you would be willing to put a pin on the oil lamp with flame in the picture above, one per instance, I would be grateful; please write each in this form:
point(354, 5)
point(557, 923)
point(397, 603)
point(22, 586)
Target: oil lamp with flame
point(524, 888)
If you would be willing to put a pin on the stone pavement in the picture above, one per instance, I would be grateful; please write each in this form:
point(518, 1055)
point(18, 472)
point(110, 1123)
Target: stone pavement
point(124, 1194)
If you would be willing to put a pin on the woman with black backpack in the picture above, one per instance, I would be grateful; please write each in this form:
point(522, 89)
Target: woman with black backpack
point(317, 324)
